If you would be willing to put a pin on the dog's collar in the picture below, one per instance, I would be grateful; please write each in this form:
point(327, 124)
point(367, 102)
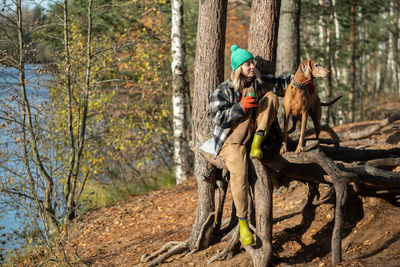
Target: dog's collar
point(301, 86)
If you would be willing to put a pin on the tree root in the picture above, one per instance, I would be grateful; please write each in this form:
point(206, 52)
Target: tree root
point(203, 228)
point(314, 167)
point(170, 249)
point(327, 197)
point(233, 242)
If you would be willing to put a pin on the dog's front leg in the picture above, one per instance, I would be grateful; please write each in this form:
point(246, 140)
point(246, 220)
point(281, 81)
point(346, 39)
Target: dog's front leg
point(299, 148)
point(285, 132)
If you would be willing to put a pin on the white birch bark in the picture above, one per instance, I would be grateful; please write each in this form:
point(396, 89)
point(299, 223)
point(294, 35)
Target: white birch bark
point(378, 74)
point(336, 68)
point(181, 161)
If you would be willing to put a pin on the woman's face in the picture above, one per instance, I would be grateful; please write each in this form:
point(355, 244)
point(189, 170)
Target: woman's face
point(248, 68)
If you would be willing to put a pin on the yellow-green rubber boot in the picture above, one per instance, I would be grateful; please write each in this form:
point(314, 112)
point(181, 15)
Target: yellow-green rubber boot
point(255, 151)
point(246, 236)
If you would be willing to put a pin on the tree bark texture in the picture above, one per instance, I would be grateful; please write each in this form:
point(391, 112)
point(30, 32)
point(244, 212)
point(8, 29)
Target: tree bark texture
point(208, 73)
point(330, 60)
point(336, 70)
point(181, 161)
point(263, 33)
point(352, 61)
point(263, 37)
point(288, 50)
point(395, 11)
point(260, 180)
point(288, 47)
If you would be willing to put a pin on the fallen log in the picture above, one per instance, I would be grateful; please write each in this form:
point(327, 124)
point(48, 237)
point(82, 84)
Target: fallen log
point(370, 130)
point(383, 162)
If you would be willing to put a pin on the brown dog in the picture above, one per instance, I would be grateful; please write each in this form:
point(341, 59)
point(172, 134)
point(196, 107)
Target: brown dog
point(301, 100)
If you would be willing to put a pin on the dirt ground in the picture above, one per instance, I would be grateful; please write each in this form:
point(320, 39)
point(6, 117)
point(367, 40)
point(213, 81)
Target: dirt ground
point(121, 234)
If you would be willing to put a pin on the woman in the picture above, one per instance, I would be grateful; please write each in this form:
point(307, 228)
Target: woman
point(235, 119)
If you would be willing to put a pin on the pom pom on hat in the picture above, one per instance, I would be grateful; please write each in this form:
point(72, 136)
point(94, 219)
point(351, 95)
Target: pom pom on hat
point(239, 56)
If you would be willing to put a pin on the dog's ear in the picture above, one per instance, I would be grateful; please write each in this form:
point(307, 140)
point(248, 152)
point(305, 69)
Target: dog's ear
point(306, 68)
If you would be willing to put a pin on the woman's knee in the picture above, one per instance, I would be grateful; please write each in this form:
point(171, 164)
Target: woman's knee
point(270, 100)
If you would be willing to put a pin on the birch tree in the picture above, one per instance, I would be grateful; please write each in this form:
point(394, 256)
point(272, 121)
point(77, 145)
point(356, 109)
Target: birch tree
point(181, 157)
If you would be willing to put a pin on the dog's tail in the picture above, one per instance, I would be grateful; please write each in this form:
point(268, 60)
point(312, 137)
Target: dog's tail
point(331, 102)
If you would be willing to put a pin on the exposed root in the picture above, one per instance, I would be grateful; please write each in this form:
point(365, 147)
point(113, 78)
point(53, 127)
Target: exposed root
point(231, 246)
point(327, 197)
point(222, 186)
point(170, 249)
point(225, 222)
point(229, 234)
point(203, 228)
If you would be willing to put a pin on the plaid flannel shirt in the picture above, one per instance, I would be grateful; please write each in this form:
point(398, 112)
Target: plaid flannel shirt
point(225, 109)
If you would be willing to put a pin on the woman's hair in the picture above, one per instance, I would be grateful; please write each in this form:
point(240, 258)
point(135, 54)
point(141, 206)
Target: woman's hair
point(238, 79)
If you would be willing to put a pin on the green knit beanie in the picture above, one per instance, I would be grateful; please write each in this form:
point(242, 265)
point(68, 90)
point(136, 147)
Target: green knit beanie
point(239, 56)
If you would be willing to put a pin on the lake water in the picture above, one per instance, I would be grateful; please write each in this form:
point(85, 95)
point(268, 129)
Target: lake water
point(37, 93)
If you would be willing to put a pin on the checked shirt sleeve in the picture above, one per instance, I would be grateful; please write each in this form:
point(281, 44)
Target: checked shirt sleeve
point(277, 81)
point(280, 82)
point(222, 112)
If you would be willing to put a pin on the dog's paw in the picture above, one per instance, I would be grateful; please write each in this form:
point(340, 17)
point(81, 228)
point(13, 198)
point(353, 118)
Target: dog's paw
point(283, 149)
point(299, 150)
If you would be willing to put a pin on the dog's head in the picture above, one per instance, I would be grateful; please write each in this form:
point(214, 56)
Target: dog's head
point(311, 69)
point(262, 69)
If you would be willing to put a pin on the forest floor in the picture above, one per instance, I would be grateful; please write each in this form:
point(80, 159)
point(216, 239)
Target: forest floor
point(121, 234)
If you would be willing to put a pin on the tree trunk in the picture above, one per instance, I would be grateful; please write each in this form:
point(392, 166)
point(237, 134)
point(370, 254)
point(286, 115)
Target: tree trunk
point(396, 46)
point(49, 211)
point(71, 204)
point(68, 183)
point(288, 50)
point(323, 43)
point(263, 33)
point(181, 160)
point(208, 73)
point(352, 61)
point(263, 39)
point(330, 60)
point(336, 68)
point(394, 38)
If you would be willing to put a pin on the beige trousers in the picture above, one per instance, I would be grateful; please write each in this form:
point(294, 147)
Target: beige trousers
point(266, 111)
point(235, 155)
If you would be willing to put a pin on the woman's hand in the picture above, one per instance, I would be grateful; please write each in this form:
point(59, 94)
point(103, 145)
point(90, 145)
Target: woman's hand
point(248, 102)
